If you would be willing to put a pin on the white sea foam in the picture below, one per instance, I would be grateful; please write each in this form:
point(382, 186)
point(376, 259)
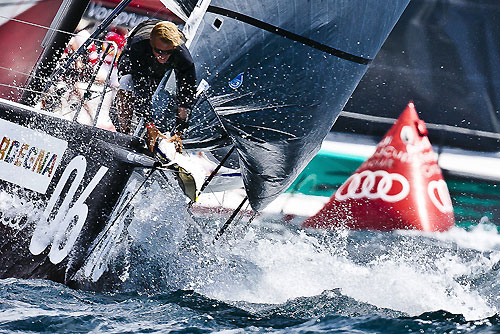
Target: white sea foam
point(482, 237)
point(12, 208)
point(413, 273)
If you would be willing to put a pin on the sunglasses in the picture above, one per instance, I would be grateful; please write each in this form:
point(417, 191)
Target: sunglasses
point(163, 52)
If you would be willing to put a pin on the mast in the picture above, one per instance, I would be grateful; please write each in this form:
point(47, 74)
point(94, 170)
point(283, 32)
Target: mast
point(66, 20)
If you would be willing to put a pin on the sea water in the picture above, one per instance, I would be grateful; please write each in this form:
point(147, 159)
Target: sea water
point(275, 277)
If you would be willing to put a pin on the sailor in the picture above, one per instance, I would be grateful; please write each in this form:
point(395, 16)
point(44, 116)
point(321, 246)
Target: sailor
point(153, 49)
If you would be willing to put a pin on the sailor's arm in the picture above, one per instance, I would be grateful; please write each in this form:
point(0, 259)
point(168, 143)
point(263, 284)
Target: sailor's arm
point(141, 77)
point(186, 88)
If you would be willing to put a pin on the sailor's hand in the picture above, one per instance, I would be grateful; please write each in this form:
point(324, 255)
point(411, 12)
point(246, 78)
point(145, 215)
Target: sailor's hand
point(176, 139)
point(152, 135)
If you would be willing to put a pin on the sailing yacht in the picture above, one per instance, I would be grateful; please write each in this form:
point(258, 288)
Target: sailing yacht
point(275, 76)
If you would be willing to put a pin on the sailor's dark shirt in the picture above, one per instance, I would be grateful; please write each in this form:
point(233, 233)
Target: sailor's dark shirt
point(138, 60)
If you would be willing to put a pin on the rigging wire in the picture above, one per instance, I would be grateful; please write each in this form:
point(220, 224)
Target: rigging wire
point(19, 72)
point(78, 88)
point(57, 96)
point(44, 27)
point(449, 128)
point(26, 89)
point(217, 211)
point(29, 75)
point(230, 220)
point(37, 77)
point(240, 218)
point(215, 196)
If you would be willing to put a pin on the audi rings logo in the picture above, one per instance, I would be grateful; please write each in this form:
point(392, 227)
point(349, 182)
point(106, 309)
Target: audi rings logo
point(389, 187)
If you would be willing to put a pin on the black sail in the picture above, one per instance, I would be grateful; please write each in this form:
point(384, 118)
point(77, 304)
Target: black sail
point(280, 72)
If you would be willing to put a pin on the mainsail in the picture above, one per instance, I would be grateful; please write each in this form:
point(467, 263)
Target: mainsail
point(280, 72)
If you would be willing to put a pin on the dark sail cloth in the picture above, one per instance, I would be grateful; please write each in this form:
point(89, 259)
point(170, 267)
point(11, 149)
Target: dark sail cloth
point(138, 60)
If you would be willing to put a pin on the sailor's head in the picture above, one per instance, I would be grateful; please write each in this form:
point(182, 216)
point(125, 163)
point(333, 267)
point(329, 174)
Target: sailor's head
point(164, 38)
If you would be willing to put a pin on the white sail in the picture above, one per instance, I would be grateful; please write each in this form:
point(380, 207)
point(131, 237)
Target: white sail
point(194, 20)
point(173, 6)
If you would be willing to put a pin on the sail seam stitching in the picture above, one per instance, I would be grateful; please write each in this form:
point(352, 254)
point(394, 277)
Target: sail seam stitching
point(288, 34)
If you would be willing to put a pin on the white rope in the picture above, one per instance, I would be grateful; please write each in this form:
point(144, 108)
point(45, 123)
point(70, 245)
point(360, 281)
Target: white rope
point(449, 128)
point(213, 193)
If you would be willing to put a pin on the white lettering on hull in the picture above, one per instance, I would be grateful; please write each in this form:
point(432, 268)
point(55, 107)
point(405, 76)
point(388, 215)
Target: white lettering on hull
point(62, 231)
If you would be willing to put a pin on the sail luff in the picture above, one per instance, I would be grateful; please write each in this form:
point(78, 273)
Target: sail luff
point(194, 21)
point(174, 7)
